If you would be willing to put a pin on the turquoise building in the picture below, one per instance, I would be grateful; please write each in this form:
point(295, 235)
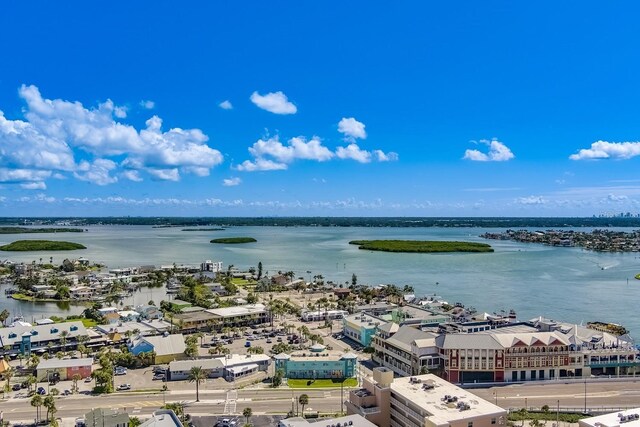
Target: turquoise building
point(361, 327)
point(320, 366)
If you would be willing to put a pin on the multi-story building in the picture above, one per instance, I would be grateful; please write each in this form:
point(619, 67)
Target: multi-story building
point(241, 315)
point(421, 401)
point(25, 338)
point(360, 327)
point(405, 349)
point(102, 417)
point(318, 366)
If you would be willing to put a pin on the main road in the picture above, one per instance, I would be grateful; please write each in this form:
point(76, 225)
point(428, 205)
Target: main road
point(599, 394)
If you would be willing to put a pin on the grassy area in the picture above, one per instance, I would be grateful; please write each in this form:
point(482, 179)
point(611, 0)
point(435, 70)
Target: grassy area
point(349, 382)
point(546, 416)
point(234, 240)
point(41, 245)
point(422, 246)
point(22, 297)
point(242, 282)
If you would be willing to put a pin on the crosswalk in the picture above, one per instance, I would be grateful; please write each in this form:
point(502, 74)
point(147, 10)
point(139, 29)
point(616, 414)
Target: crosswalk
point(137, 406)
point(231, 403)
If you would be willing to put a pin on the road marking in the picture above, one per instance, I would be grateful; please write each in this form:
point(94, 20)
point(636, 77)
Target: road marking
point(327, 394)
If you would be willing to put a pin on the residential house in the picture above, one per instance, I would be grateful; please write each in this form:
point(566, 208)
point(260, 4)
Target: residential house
point(166, 347)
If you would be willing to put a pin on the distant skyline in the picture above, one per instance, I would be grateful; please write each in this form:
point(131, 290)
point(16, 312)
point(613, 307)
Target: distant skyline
point(328, 109)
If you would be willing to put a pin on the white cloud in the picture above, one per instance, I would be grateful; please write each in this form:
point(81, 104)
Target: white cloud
point(226, 105)
point(608, 150)
point(531, 200)
point(23, 175)
point(132, 175)
point(55, 129)
point(351, 128)
point(149, 105)
point(274, 102)
point(97, 172)
point(498, 152)
point(34, 185)
point(164, 174)
point(231, 182)
point(120, 112)
point(261, 165)
point(352, 151)
point(385, 157)
point(297, 148)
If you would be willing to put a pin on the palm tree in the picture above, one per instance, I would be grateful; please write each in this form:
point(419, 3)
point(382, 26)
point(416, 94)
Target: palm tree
point(247, 412)
point(75, 379)
point(31, 380)
point(303, 400)
point(36, 402)
point(50, 403)
point(8, 374)
point(197, 375)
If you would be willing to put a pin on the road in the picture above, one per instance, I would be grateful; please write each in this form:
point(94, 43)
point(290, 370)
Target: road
point(599, 393)
point(211, 402)
point(610, 394)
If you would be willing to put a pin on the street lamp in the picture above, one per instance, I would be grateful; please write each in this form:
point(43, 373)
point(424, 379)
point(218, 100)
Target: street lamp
point(585, 395)
point(495, 394)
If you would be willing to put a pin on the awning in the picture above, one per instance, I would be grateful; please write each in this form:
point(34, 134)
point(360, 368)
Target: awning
point(240, 369)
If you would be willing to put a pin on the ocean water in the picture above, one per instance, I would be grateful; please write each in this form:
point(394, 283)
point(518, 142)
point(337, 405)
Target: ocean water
point(567, 284)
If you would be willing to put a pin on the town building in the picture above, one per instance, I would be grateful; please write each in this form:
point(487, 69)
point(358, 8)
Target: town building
point(347, 421)
point(162, 418)
point(229, 367)
point(360, 327)
point(194, 321)
point(405, 350)
point(25, 339)
point(317, 366)
point(424, 400)
point(320, 315)
point(241, 315)
point(63, 369)
point(628, 418)
point(102, 417)
point(166, 347)
point(211, 266)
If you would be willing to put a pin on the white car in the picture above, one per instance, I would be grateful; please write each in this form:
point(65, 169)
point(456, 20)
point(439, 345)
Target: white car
point(123, 387)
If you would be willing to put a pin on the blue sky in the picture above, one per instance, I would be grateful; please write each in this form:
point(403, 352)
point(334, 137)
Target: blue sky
point(327, 108)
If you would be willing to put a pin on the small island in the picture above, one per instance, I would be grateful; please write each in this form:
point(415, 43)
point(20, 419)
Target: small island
point(234, 240)
point(203, 229)
point(420, 246)
point(41, 245)
point(25, 230)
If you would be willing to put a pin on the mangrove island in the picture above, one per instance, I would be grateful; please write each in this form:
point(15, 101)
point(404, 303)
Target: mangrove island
point(421, 246)
point(41, 245)
point(234, 240)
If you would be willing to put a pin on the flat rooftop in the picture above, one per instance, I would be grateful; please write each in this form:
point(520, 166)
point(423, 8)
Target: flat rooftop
point(431, 399)
point(363, 320)
point(614, 419)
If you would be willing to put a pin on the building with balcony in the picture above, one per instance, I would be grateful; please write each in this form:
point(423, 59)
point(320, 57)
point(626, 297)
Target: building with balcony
point(405, 349)
point(241, 315)
point(317, 366)
point(421, 401)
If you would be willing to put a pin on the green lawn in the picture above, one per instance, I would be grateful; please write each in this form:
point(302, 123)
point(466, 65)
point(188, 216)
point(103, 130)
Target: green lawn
point(242, 282)
point(349, 382)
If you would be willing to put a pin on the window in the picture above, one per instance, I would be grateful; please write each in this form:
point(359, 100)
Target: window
point(470, 424)
point(493, 420)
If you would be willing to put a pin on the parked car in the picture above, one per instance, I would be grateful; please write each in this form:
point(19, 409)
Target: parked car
point(66, 393)
point(123, 387)
point(279, 339)
point(158, 377)
point(269, 340)
point(41, 390)
point(119, 370)
point(205, 345)
point(159, 370)
point(88, 380)
point(15, 387)
point(247, 344)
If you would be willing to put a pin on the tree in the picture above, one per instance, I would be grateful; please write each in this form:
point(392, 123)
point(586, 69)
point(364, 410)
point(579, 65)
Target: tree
point(354, 279)
point(255, 350)
point(36, 402)
point(50, 403)
point(247, 412)
point(134, 421)
point(31, 380)
point(303, 400)
point(197, 375)
point(259, 270)
point(276, 381)
point(4, 316)
point(8, 374)
point(75, 379)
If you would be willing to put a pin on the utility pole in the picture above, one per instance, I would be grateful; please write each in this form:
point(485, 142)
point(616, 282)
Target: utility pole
point(558, 414)
point(585, 395)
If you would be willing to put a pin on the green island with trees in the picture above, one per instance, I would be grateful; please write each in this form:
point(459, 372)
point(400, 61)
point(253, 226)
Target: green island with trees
point(25, 230)
point(637, 276)
point(234, 240)
point(203, 229)
point(421, 246)
point(41, 245)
